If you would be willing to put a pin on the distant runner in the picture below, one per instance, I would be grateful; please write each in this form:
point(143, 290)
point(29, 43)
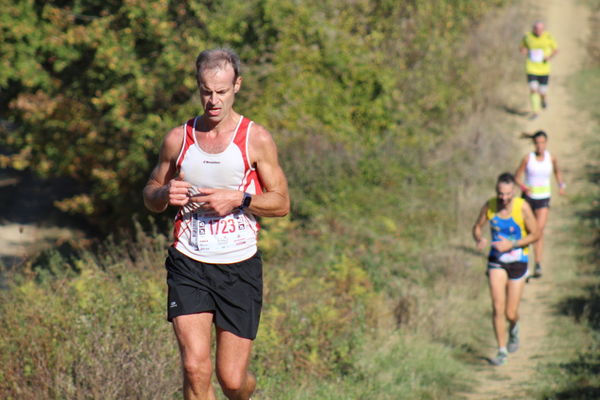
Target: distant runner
point(539, 47)
point(513, 228)
point(538, 167)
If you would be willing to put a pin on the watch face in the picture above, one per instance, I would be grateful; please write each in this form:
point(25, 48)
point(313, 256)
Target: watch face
point(247, 200)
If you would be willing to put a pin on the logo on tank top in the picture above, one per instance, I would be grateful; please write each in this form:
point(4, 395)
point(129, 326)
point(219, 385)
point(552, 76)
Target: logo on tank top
point(211, 162)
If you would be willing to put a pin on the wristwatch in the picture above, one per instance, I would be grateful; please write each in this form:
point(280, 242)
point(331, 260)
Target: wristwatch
point(246, 201)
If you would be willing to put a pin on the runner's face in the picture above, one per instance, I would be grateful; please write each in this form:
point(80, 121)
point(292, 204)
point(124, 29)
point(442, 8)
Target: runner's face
point(505, 193)
point(538, 29)
point(217, 92)
point(540, 144)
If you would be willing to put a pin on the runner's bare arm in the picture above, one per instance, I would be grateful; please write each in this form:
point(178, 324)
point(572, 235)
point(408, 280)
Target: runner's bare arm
point(559, 177)
point(531, 225)
point(479, 223)
point(523, 47)
point(551, 56)
point(165, 187)
point(519, 173)
point(275, 199)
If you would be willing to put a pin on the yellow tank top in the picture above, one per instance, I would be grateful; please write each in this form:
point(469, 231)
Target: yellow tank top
point(538, 47)
point(511, 228)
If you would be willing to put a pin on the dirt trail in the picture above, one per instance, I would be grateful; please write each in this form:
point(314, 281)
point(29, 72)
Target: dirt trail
point(28, 220)
point(568, 22)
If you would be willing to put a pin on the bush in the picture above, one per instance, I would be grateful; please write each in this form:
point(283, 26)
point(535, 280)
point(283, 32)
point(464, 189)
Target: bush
point(89, 328)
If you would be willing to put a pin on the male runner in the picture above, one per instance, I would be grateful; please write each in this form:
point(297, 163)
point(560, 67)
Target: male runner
point(221, 170)
point(540, 47)
point(513, 228)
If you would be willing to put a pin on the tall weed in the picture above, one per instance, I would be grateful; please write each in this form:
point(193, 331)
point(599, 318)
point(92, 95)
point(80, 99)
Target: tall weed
point(97, 333)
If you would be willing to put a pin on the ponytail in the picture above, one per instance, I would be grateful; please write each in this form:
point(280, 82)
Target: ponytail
point(533, 136)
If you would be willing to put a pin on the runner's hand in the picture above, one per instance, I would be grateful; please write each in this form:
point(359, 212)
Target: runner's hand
point(503, 245)
point(178, 191)
point(482, 243)
point(219, 201)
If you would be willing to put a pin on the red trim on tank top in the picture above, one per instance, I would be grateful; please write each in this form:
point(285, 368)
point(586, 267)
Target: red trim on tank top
point(241, 139)
point(177, 227)
point(188, 140)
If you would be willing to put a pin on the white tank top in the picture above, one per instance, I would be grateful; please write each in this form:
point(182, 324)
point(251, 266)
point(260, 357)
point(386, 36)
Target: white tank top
point(210, 238)
point(537, 176)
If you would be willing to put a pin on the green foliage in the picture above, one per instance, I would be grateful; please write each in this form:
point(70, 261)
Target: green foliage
point(71, 326)
point(404, 368)
point(91, 88)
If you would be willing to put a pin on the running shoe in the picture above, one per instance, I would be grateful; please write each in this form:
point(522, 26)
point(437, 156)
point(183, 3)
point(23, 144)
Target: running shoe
point(533, 116)
point(500, 358)
point(538, 271)
point(513, 339)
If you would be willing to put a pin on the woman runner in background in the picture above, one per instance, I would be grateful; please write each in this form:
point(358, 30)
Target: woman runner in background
point(538, 167)
point(513, 228)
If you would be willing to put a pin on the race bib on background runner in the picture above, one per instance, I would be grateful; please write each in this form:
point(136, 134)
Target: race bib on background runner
point(536, 55)
point(511, 256)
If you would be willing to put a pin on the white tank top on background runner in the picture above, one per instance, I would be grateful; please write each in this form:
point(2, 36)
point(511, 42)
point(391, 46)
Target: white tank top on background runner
point(537, 176)
point(210, 238)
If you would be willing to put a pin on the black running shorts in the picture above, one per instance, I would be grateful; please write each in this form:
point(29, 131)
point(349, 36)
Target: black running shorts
point(542, 79)
point(536, 204)
point(515, 270)
point(233, 292)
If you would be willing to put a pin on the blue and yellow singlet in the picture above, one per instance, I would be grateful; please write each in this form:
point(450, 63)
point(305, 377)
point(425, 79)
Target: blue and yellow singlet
point(511, 228)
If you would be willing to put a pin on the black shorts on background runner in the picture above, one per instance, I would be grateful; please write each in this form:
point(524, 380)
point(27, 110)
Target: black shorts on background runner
point(233, 292)
point(542, 79)
point(537, 203)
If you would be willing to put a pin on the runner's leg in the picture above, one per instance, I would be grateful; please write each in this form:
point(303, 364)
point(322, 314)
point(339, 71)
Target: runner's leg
point(233, 357)
point(543, 90)
point(513, 299)
point(498, 287)
point(193, 335)
point(541, 216)
point(534, 95)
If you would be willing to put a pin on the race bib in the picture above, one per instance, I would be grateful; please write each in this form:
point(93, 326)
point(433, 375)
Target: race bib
point(536, 55)
point(511, 256)
point(211, 233)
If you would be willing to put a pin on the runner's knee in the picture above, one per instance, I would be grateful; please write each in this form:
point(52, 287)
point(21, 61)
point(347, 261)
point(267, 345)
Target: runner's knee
point(534, 86)
point(498, 309)
point(232, 381)
point(512, 315)
point(197, 369)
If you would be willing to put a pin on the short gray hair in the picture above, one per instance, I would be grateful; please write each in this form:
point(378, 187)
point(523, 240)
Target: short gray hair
point(218, 58)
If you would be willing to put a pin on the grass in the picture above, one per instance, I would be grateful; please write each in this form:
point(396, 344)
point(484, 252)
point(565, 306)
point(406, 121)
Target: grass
point(404, 367)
